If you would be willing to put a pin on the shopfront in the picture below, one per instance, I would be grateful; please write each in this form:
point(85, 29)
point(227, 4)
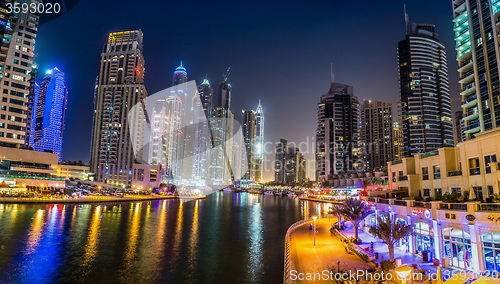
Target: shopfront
point(457, 247)
point(424, 240)
point(491, 251)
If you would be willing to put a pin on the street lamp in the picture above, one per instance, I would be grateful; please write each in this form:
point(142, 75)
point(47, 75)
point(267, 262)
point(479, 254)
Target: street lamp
point(314, 229)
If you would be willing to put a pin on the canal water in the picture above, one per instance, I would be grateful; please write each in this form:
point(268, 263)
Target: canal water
point(225, 238)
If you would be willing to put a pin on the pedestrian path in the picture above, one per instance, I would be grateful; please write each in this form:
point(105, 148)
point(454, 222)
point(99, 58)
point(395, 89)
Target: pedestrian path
point(328, 254)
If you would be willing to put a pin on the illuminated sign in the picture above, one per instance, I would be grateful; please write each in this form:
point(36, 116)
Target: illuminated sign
point(421, 212)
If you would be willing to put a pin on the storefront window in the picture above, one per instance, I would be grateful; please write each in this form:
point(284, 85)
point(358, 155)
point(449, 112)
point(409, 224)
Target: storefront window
point(424, 242)
point(491, 251)
point(457, 247)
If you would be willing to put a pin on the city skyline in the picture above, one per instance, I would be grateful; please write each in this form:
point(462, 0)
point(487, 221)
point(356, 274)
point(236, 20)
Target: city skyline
point(254, 58)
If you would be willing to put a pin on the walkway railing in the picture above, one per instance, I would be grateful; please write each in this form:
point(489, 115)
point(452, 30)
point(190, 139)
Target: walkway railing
point(288, 259)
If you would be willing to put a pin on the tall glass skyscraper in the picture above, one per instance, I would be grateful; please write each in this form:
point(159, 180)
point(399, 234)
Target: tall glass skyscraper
point(476, 30)
point(120, 86)
point(48, 115)
point(337, 135)
point(18, 44)
point(259, 143)
point(249, 133)
point(425, 109)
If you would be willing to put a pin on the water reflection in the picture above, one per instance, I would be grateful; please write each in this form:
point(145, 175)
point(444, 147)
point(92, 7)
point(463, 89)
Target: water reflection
point(226, 238)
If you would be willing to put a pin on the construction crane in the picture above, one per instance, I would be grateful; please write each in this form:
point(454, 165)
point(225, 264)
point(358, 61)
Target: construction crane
point(226, 75)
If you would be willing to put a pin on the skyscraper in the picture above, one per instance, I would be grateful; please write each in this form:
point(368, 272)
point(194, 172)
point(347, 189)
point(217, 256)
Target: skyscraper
point(206, 96)
point(120, 86)
point(48, 116)
point(376, 135)
point(290, 165)
point(167, 135)
point(398, 141)
point(259, 143)
point(180, 75)
point(425, 108)
point(222, 132)
point(476, 31)
point(337, 134)
point(249, 129)
point(18, 42)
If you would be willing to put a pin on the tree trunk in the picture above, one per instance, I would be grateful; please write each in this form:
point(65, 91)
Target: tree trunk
point(391, 252)
point(355, 225)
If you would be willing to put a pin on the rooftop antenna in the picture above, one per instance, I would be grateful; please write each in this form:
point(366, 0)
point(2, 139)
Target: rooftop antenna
point(226, 75)
point(332, 76)
point(407, 20)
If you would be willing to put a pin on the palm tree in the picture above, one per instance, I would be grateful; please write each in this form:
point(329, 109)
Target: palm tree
point(336, 209)
point(390, 232)
point(354, 210)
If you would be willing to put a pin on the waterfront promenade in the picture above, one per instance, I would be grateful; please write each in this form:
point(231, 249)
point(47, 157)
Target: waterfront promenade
point(85, 199)
point(328, 255)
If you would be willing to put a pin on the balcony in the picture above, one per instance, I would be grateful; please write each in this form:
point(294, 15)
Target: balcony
point(419, 204)
point(430, 154)
point(403, 178)
point(454, 173)
point(400, 202)
point(453, 206)
point(383, 201)
point(397, 162)
point(489, 207)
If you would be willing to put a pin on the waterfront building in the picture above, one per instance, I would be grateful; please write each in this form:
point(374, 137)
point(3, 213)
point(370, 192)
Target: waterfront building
point(259, 144)
point(249, 129)
point(21, 167)
point(377, 146)
point(470, 166)
point(19, 33)
point(290, 164)
point(337, 133)
point(425, 108)
point(146, 177)
point(461, 236)
point(206, 96)
point(459, 127)
point(222, 125)
point(77, 172)
point(476, 32)
point(120, 87)
point(167, 134)
point(49, 114)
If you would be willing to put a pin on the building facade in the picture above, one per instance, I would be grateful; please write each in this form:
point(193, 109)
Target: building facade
point(259, 144)
point(397, 134)
point(290, 164)
point(476, 32)
point(470, 166)
point(459, 127)
point(337, 133)
point(120, 86)
point(17, 51)
point(463, 236)
point(425, 109)
point(249, 128)
point(377, 135)
point(49, 114)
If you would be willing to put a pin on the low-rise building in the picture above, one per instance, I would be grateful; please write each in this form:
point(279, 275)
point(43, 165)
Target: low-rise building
point(22, 167)
point(80, 172)
point(470, 166)
point(146, 177)
point(465, 236)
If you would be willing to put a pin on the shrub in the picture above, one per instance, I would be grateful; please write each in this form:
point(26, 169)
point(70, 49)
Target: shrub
point(386, 265)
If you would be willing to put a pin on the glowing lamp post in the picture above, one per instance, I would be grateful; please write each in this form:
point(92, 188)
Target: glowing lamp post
point(314, 229)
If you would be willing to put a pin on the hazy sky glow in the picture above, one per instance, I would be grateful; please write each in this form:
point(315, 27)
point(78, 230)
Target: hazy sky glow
point(280, 52)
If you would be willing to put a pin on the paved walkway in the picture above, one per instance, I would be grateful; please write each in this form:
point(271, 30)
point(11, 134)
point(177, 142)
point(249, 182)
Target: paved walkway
point(326, 255)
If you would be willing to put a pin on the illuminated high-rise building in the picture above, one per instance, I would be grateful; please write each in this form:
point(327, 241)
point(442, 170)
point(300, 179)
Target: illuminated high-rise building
point(259, 144)
point(289, 164)
point(397, 134)
point(337, 133)
point(206, 96)
point(476, 35)
point(249, 129)
point(376, 135)
point(19, 32)
point(425, 109)
point(120, 86)
point(49, 113)
point(180, 75)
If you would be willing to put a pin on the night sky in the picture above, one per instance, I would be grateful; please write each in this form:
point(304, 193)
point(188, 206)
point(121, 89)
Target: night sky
point(279, 52)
